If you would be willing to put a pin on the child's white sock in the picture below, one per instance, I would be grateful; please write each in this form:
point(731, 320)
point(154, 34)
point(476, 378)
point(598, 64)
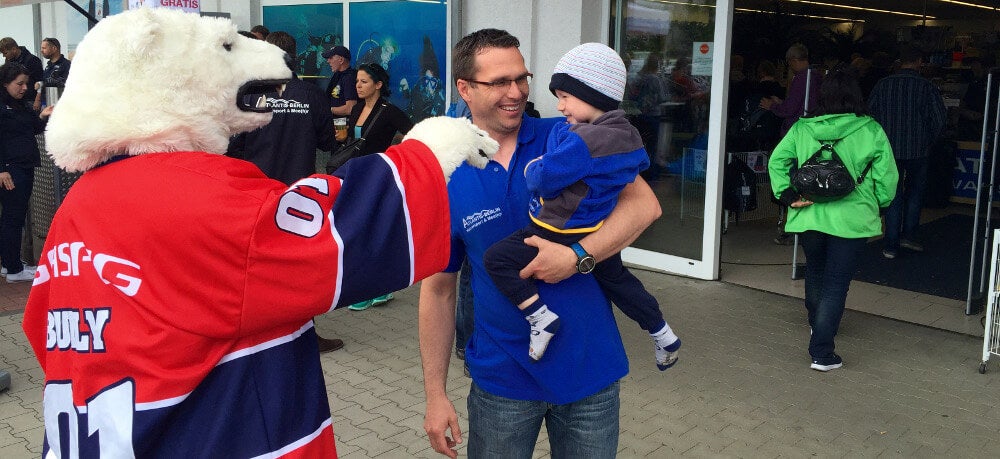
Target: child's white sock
point(667, 345)
point(544, 324)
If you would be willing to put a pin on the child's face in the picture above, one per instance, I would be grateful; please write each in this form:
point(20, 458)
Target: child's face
point(576, 110)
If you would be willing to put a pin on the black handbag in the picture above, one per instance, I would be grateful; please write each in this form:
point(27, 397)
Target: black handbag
point(824, 180)
point(352, 148)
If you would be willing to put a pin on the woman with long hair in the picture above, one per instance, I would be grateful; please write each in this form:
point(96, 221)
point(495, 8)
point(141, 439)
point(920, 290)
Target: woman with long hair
point(381, 124)
point(19, 156)
point(833, 233)
point(376, 119)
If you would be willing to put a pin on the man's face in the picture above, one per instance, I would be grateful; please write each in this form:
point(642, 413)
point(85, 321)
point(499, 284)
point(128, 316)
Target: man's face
point(10, 53)
point(798, 64)
point(48, 51)
point(335, 62)
point(497, 110)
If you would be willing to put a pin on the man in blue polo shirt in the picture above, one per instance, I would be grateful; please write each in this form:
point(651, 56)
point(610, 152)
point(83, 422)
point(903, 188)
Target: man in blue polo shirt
point(576, 392)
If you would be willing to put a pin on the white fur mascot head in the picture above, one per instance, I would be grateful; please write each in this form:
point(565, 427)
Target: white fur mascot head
point(157, 81)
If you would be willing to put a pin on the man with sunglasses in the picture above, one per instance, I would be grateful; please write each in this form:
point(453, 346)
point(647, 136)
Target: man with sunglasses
point(576, 392)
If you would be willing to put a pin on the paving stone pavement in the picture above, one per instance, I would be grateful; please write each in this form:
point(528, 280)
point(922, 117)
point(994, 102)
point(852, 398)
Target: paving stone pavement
point(742, 388)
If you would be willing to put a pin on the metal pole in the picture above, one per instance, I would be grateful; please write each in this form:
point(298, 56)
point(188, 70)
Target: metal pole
point(989, 203)
point(795, 240)
point(79, 9)
point(969, 309)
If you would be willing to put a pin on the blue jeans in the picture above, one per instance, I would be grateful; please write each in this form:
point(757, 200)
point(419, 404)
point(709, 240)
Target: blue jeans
point(903, 215)
point(15, 209)
point(505, 428)
point(831, 262)
point(463, 310)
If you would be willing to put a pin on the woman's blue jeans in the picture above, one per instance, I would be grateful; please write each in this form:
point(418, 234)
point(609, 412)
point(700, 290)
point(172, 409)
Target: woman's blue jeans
point(831, 262)
point(500, 427)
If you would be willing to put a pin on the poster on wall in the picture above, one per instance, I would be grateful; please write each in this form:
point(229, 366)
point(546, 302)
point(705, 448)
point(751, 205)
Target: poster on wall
point(409, 40)
point(701, 58)
point(190, 6)
point(315, 27)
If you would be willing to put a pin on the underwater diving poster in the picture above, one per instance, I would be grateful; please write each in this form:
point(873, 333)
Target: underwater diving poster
point(409, 40)
point(315, 27)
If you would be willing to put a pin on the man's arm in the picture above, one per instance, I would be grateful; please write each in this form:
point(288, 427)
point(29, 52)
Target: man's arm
point(344, 110)
point(436, 327)
point(637, 208)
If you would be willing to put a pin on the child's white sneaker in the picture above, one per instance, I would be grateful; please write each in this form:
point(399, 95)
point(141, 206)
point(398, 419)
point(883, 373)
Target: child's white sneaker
point(544, 324)
point(666, 356)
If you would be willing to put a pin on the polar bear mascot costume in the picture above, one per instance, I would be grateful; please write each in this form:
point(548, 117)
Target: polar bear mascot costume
point(171, 310)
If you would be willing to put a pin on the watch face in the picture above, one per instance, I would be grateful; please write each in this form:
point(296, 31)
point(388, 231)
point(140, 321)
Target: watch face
point(586, 264)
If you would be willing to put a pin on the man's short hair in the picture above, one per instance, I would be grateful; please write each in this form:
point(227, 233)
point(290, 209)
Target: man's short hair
point(7, 43)
point(338, 50)
point(53, 43)
point(797, 51)
point(282, 40)
point(463, 57)
point(261, 30)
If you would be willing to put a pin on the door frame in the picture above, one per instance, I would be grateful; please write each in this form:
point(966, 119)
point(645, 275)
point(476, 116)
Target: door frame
point(708, 267)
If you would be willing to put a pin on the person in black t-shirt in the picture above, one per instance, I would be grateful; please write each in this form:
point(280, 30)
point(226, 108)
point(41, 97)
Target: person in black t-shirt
point(343, 95)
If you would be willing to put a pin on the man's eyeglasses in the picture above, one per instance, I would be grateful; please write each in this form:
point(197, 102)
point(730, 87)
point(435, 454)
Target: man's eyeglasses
point(521, 82)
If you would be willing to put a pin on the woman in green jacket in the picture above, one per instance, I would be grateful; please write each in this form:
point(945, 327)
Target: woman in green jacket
point(833, 233)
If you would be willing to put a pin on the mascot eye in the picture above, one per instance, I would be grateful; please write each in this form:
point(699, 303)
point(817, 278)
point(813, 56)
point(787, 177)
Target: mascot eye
point(228, 46)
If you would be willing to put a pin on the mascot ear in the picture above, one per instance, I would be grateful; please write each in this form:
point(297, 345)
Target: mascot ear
point(143, 33)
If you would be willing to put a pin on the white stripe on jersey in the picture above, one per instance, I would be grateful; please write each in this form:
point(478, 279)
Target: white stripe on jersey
point(266, 344)
point(161, 403)
point(406, 212)
point(157, 404)
point(339, 281)
point(297, 443)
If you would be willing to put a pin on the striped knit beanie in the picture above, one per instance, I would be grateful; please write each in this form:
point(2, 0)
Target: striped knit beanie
point(592, 72)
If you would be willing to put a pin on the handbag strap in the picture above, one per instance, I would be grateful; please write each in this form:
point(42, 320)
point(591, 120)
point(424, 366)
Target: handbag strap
point(372, 121)
point(834, 153)
point(865, 172)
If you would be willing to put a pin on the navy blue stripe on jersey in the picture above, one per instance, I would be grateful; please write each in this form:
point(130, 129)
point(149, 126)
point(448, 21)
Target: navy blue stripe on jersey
point(222, 417)
point(375, 213)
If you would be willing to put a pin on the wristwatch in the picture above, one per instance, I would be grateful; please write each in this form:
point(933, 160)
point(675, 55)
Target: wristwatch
point(585, 262)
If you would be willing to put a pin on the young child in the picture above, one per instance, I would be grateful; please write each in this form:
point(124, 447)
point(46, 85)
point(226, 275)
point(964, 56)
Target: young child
point(574, 186)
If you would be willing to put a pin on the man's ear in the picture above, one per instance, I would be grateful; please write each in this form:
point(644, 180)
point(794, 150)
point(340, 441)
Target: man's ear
point(463, 88)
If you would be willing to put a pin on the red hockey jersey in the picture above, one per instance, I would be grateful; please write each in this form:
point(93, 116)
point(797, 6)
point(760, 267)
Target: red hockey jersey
point(171, 310)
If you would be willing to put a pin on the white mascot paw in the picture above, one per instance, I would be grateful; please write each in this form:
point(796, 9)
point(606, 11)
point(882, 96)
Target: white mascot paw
point(454, 140)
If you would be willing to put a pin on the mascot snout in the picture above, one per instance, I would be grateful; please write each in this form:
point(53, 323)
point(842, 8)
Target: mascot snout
point(156, 80)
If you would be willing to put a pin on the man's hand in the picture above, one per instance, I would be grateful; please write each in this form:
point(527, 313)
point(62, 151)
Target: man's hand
point(439, 420)
point(766, 103)
point(553, 263)
point(6, 181)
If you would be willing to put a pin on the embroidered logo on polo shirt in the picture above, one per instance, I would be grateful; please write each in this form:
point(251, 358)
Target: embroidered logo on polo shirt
point(470, 222)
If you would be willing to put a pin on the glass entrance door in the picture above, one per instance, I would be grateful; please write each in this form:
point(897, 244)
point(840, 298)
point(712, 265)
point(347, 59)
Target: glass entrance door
point(676, 53)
